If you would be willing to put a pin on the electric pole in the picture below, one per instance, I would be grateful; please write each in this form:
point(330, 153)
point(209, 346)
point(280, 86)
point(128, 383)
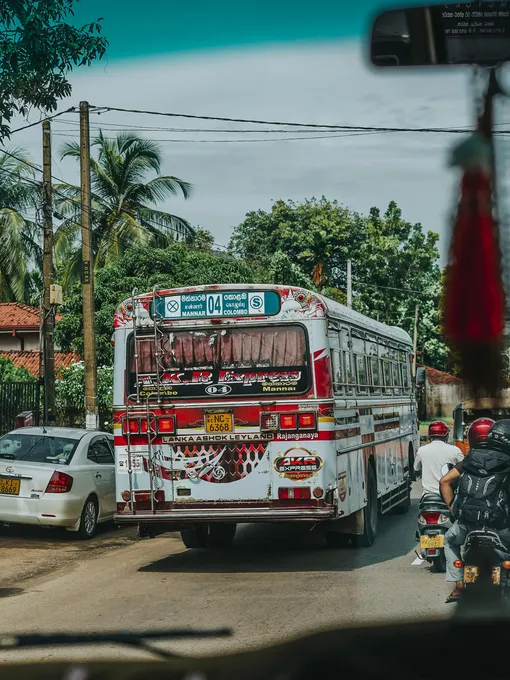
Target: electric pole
point(349, 284)
point(415, 338)
point(87, 276)
point(48, 312)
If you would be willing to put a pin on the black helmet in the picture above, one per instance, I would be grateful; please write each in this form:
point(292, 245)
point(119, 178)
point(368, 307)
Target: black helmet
point(499, 436)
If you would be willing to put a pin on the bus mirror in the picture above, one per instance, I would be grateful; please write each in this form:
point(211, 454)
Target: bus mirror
point(420, 376)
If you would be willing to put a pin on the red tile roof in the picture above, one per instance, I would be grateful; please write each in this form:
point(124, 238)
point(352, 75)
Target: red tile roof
point(30, 359)
point(17, 316)
point(435, 377)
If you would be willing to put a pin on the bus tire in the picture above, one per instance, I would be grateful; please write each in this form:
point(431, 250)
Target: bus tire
point(195, 536)
point(370, 512)
point(221, 535)
point(412, 473)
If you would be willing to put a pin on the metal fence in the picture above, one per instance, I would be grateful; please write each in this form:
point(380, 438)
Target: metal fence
point(16, 397)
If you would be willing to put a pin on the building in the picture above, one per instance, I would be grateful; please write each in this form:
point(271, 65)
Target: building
point(20, 338)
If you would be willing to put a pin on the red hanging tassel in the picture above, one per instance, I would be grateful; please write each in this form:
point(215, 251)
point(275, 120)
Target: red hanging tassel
point(474, 304)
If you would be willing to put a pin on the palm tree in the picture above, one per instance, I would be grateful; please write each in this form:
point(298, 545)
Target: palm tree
point(19, 234)
point(124, 202)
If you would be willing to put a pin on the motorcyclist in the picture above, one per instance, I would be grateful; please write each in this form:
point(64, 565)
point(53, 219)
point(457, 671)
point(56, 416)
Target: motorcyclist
point(489, 460)
point(435, 458)
point(478, 434)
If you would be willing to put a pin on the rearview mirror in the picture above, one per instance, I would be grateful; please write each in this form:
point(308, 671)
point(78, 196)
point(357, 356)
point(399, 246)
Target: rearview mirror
point(446, 34)
point(458, 423)
point(420, 375)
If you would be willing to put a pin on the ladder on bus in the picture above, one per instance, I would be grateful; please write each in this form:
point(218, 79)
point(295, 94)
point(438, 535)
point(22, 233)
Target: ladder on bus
point(136, 407)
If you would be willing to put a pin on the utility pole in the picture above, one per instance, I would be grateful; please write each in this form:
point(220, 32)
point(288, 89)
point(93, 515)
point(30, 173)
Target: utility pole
point(48, 311)
point(87, 276)
point(415, 339)
point(349, 284)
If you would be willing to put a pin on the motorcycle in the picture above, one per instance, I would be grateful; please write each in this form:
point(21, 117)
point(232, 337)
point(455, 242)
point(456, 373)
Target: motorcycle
point(484, 554)
point(433, 523)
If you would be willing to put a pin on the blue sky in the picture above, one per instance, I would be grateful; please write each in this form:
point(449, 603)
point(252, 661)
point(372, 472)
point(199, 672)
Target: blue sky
point(279, 60)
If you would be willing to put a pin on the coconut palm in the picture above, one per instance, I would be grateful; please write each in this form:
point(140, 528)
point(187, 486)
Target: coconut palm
point(19, 234)
point(124, 202)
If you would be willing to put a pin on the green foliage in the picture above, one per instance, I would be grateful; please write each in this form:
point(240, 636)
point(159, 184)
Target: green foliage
point(10, 373)
point(394, 263)
point(38, 49)
point(142, 268)
point(123, 203)
point(70, 387)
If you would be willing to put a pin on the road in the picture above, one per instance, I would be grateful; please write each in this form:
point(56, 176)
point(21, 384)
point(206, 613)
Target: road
point(276, 582)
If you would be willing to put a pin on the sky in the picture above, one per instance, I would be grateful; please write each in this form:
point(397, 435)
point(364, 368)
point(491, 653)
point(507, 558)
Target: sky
point(279, 62)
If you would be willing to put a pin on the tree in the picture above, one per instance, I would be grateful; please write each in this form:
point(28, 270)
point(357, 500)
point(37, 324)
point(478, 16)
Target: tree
point(38, 49)
point(70, 388)
point(19, 234)
point(11, 373)
point(395, 264)
point(142, 268)
point(123, 202)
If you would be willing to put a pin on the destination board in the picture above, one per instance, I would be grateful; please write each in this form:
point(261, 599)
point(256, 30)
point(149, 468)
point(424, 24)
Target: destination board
point(232, 303)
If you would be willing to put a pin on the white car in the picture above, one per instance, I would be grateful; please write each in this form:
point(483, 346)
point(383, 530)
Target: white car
point(57, 477)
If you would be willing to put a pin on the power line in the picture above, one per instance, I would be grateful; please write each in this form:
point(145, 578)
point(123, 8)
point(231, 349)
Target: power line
point(39, 122)
point(105, 109)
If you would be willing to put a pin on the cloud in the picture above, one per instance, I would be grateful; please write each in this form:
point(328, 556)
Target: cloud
point(308, 82)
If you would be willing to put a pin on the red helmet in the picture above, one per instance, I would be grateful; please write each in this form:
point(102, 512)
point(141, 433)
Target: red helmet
point(438, 429)
point(479, 431)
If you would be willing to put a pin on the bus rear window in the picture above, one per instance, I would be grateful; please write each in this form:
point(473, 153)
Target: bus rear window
point(218, 362)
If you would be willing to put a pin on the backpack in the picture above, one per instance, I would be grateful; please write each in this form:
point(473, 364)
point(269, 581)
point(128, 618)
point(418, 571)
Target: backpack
point(482, 493)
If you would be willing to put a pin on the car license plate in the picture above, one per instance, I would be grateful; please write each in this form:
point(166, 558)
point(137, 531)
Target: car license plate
point(9, 486)
point(219, 422)
point(435, 541)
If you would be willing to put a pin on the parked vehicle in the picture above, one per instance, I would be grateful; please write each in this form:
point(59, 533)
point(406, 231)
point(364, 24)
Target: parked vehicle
point(483, 551)
point(57, 477)
point(433, 523)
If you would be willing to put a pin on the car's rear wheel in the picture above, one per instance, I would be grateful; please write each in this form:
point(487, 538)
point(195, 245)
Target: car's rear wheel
point(88, 521)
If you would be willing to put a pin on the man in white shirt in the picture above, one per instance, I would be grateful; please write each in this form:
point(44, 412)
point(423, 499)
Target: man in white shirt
point(435, 458)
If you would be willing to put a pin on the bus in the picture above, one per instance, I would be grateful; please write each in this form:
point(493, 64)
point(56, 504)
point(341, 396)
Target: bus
point(259, 403)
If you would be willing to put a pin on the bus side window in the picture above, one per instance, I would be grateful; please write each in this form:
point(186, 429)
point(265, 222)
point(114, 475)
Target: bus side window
point(348, 372)
point(404, 372)
point(384, 353)
point(336, 361)
point(358, 350)
point(374, 368)
point(395, 370)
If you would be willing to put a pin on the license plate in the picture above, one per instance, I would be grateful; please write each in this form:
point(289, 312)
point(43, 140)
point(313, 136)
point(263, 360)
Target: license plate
point(9, 486)
point(219, 422)
point(471, 574)
point(435, 541)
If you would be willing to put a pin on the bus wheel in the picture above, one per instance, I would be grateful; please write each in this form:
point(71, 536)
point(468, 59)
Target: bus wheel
point(195, 536)
point(370, 512)
point(221, 535)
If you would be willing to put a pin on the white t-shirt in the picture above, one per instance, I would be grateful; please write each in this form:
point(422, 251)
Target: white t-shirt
point(432, 459)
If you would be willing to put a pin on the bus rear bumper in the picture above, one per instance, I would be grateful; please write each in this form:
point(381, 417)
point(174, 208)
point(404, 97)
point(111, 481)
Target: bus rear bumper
point(183, 516)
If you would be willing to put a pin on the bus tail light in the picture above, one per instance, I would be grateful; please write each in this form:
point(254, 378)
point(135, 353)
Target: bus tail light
point(131, 425)
point(292, 493)
point(166, 424)
point(306, 421)
point(288, 421)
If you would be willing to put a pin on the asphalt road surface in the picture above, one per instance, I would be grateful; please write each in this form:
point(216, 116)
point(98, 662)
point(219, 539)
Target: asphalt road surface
point(277, 582)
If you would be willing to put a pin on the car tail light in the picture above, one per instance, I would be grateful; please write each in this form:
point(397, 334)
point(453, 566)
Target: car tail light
point(306, 421)
point(131, 426)
point(60, 482)
point(288, 421)
point(166, 424)
point(294, 493)
point(269, 421)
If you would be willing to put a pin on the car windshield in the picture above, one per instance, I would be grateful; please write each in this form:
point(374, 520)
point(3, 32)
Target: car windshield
point(36, 448)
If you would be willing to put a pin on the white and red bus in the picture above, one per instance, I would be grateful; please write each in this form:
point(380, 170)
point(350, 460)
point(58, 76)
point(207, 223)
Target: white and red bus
point(252, 403)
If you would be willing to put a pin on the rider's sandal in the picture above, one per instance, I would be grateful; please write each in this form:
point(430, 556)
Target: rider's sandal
point(452, 598)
